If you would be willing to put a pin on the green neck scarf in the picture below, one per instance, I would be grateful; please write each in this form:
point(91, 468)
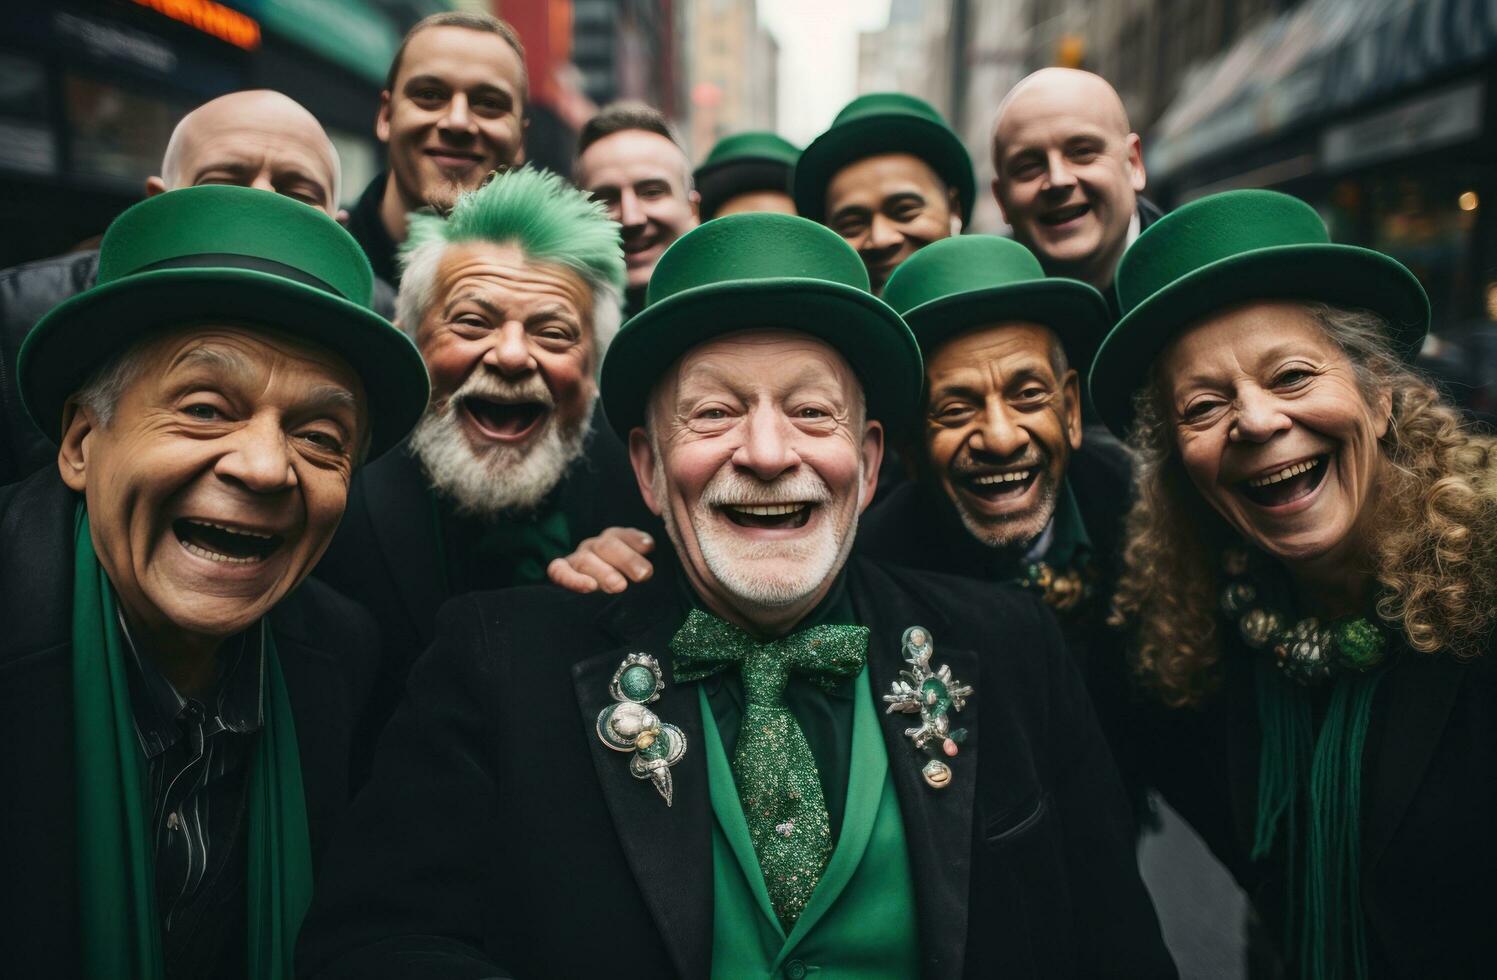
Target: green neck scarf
point(120, 926)
point(1317, 778)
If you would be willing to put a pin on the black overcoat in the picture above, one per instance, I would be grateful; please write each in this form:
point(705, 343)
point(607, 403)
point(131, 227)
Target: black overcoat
point(1429, 807)
point(499, 835)
point(323, 642)
point(916, 526)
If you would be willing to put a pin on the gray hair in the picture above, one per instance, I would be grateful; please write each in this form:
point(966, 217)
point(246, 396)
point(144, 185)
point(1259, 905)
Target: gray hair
point(101, 393)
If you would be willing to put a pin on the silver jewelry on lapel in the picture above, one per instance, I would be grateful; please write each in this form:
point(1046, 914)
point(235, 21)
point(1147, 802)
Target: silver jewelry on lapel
point(934, 695)
point(628, 726)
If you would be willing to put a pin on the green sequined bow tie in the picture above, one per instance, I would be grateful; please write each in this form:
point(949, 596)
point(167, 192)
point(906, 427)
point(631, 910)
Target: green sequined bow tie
point(773, 768)
point(705, 645)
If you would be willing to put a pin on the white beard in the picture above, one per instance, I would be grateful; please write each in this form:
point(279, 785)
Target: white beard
point(766, 574)
point(1018, 531)
point(498, 479)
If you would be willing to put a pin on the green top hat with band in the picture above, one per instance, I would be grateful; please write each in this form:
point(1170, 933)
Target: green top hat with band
point(762, 271)
point(231, 255)
point(1231, 248)
point(884, 122)
point(744, 162)
point(955, 284)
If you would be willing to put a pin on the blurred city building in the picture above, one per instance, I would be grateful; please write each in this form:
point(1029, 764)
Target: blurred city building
point(732, 63)
point(1378, 112)
point(90, 89)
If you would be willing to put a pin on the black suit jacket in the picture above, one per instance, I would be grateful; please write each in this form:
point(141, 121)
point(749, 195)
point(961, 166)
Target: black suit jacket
point(1429, 792)
point(917, 527)
point(322, 641)
point(499, 835)
point(387, 557)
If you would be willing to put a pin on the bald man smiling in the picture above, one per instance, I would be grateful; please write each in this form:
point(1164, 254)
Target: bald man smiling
point(260, 139)
point(1069, 170)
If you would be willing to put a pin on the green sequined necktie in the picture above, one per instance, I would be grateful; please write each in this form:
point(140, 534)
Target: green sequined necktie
point(773, 767)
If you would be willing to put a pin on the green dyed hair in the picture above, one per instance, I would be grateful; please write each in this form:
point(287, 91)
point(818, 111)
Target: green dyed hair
point(549, 219)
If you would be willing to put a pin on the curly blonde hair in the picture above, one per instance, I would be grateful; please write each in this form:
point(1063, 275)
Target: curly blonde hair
point(1432, 538)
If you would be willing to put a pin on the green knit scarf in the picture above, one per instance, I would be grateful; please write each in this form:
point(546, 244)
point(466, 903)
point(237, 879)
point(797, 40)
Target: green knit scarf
point(120, 924)
point(1320, 779)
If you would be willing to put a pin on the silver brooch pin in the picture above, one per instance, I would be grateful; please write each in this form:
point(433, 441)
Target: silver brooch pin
point(628, 726)
point(934, 695)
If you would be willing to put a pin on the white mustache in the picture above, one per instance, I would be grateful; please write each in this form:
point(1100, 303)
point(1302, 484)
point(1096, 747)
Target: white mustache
point(732, 489)
point(485, 384)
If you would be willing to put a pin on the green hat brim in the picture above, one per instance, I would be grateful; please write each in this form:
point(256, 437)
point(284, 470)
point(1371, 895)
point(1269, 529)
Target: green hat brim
point(83, 333)
point(1077, 313)
point(1339, 275)
point(872, 338)
point(870, 136)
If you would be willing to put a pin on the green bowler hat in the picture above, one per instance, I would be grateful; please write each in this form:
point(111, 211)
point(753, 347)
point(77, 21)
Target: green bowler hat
point(884, 122)
point(232, 255)
point(755, 144)
point(969, 281)
point(756, 160)
point(768, 272)
point(1231, 248)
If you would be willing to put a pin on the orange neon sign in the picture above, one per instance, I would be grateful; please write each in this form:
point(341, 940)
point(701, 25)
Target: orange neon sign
point(236, 28)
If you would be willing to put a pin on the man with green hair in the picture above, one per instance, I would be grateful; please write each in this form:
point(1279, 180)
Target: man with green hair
point(512, 300)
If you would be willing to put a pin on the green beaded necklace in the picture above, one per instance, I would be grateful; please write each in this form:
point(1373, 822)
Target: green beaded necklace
point(1306, 650)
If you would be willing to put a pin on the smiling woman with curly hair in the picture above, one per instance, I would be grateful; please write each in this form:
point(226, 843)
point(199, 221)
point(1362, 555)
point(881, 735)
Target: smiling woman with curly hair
point(1311, 578)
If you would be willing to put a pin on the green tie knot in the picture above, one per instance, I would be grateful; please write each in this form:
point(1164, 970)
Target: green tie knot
point(705, 645)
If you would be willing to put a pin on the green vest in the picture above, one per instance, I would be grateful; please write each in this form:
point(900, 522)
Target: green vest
point(861, 919)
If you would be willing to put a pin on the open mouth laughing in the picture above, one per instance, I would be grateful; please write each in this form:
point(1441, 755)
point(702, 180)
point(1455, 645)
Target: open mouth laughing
point(222, 543)
point(784, 516)
point(504, 421)
point(996, 487)
point(1285, 484)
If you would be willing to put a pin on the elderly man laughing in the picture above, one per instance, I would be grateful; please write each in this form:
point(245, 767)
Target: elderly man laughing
point(775, 761)
point(512, 300)
point(177, 703)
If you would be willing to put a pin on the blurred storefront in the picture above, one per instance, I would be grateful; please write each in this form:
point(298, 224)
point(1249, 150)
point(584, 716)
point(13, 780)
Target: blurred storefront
point(90, 91)
point(1380, 113)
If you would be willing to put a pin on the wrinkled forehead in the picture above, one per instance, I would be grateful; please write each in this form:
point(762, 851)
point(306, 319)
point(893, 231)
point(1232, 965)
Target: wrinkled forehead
point(271, 133)
point(252, 357)
point(1002, 345)
point(752, 364)
point(503, 272)
point(1242, 340)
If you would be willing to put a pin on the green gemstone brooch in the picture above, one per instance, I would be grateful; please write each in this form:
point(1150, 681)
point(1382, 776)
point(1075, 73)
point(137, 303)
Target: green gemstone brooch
point(628, 726)
point(934, 695)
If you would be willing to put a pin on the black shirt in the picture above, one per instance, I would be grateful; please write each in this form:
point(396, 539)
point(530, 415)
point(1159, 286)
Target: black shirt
point(368, 229)
point(198, 755)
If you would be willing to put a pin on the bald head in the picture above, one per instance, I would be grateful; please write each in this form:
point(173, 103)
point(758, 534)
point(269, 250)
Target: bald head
point(1065, 87)
point(259, 139)
point(1067, 171)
